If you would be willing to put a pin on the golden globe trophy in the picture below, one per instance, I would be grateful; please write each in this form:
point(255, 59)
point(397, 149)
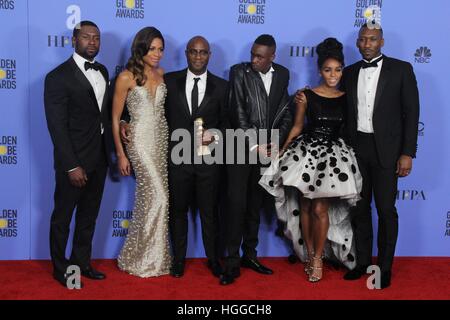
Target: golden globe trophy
point(198, 131)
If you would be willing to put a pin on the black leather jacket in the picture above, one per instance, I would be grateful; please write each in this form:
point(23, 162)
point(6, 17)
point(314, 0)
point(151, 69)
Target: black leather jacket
point(251, 108)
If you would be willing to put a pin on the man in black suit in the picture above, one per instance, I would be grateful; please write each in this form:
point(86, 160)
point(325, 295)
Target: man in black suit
point(258, 101)
point(194, 93)
point(76, 108)
point(382, 124)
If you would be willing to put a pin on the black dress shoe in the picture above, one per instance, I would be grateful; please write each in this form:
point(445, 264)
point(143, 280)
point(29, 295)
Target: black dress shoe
point(293, 259)
point(356, 273)
point(62, 279)
point(229, 276)
point(226, 279)
point(215, 268)
point(93, 274)
point(385, 280)
point(177, 270)
point(255, 265)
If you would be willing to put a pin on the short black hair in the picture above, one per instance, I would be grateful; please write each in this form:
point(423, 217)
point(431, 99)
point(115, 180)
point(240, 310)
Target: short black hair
point(266, 40)
point(83, 23)
point(365, 25)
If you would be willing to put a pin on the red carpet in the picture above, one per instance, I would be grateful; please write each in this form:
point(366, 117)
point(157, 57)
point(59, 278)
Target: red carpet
point(413, 278)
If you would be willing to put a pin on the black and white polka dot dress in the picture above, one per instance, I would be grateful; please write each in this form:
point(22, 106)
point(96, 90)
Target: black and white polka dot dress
point(318, 164)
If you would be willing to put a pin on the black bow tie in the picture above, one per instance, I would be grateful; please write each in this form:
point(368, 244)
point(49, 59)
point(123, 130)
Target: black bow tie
point(373, 64)
point(88, 65)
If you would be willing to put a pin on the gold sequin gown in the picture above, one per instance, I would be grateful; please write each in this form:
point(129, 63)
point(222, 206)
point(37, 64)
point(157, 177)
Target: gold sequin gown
point(146, 249)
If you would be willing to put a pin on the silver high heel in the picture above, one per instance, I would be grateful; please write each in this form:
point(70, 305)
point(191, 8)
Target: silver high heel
point(308, 266)
point(316, 271)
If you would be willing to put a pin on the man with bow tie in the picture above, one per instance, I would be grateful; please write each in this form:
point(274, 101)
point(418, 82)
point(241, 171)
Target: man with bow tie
point(382, 125)
point(76, 107)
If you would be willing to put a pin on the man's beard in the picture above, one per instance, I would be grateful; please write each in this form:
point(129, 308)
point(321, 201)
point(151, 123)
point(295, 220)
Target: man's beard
point(86, 55)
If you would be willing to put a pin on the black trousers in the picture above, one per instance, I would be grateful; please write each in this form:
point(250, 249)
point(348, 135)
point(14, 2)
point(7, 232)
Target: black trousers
point(245, 200)
point(382, 184)
point(194, 186)
point(87, 201)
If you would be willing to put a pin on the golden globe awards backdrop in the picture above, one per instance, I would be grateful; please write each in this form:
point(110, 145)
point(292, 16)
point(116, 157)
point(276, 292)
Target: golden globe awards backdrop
point(35, 36)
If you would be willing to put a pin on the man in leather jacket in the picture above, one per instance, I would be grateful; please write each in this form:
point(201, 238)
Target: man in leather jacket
point(258, 101)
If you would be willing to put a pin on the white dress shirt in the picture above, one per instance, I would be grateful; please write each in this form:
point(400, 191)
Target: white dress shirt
point(367, 88)
point(267, 79)
point(94, 77)
point(190, 85)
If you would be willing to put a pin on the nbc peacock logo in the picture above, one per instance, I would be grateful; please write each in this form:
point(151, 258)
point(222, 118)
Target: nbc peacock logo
point(251, 11)
point(130, 9)
point(422, 55)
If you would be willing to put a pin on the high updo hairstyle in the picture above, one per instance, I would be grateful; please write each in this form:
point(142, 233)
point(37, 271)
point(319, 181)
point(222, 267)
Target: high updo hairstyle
point(139, 48)
point(329, 48)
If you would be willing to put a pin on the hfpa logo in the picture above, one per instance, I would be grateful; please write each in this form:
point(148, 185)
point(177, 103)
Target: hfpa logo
point(422, 55)
point(411, 195)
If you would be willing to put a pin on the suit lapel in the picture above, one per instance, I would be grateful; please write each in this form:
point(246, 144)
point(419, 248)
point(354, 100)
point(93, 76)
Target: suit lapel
point(354, 86)
point(181, 86)
point(274, 90)
point(106, 95)
point(84, 82)
point(210, 87)
point(104, 74)
point(273, 85)
point(382, 80)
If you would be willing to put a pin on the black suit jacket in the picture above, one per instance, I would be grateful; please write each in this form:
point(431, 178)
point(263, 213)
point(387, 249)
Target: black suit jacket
point(74, 118)
point(396, 109)
point(212, 109)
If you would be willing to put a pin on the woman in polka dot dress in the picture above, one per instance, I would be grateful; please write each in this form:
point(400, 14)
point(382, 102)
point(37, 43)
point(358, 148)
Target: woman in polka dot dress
point(316, 178)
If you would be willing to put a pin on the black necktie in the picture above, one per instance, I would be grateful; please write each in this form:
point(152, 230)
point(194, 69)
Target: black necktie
point(372, 64)
point(88, 65)
point(194, 97)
